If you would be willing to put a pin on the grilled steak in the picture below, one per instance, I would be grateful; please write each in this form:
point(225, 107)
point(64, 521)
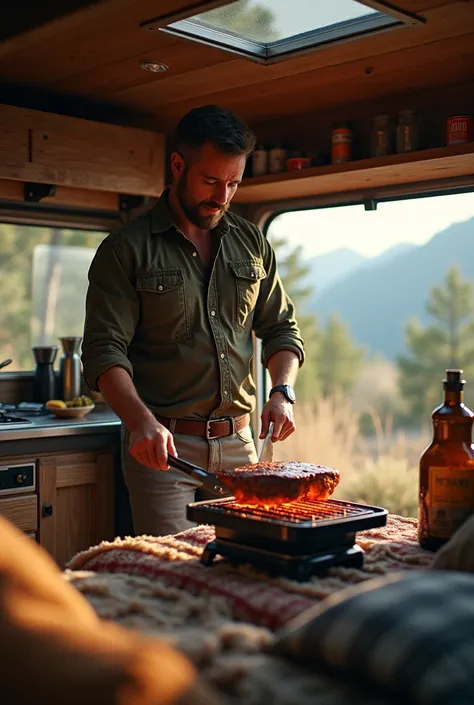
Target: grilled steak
point(280, 482)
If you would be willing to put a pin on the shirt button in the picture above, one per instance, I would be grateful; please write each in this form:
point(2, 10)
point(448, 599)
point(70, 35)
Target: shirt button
point(160, 288)
point(226, 393)
point(222, 355)
point(213, 313)
point(194, 254)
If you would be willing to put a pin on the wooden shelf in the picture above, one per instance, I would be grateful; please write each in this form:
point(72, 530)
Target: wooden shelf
point(363, 175)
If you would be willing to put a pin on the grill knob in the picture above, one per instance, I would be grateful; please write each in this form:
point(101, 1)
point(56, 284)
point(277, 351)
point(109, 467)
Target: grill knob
point(21, 478)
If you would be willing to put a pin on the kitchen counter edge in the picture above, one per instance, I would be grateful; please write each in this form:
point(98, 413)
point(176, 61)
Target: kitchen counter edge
point(49, 426)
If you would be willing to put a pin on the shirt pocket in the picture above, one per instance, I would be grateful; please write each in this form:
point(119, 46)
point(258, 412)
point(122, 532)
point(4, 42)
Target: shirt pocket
point(248, 276)
point(164, 315)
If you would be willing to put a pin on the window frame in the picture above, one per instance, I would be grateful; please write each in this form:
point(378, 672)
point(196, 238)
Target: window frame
point(268, 53)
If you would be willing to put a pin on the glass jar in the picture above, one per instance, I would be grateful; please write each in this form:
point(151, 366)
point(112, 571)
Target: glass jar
point(408, 131)
point(277, 159)
point(383, 136)
point(259, 161)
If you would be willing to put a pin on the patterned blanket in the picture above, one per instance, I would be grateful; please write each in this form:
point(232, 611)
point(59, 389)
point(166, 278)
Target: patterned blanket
point(250, 595)
point(224, 617)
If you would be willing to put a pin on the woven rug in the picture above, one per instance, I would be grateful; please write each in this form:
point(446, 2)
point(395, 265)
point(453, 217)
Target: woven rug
point(243, 592)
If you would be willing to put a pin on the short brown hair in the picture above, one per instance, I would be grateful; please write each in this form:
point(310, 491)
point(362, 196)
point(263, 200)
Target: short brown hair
point(218, 126)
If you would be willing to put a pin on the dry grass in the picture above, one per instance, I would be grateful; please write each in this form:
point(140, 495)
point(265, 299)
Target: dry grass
point(382, 470)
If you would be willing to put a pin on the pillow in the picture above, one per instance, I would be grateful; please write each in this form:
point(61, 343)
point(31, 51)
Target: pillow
point(458, 552)
point(412, 635)
point(56, 651)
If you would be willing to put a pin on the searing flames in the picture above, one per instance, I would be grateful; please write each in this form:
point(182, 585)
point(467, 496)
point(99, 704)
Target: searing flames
point(313, 510)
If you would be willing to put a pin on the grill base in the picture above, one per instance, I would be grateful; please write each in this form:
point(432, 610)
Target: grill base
point(295, 567)
point(296, 540)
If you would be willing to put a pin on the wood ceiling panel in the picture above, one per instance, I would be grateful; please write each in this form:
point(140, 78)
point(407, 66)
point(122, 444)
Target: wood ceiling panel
point(435, 64)
point(87, 40)
point(28, 14)
point(126, 74)
point(240, 73)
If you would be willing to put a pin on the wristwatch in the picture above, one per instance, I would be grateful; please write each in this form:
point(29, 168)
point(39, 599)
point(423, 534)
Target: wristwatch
point(285, 389)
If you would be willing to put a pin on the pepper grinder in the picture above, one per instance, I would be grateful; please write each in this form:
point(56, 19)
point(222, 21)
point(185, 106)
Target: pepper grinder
point(70, 382)
point(44, 378)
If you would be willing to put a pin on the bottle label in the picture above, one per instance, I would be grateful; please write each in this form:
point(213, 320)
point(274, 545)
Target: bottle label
point(450, 501)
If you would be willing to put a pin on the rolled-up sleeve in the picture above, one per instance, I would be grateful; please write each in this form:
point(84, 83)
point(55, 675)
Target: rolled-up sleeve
point(112, 310)
point(275, 320)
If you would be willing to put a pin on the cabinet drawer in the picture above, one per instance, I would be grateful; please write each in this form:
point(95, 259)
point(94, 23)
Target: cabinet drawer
point(21, 511)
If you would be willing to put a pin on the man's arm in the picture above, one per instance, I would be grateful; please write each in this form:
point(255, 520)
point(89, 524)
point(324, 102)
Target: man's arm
point(112, 310)
point(150, 441)
point(283, 368)
point(282, 346)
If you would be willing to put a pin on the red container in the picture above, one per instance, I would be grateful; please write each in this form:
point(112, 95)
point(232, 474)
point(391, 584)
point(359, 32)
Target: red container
point(459, 129)
point(297, 163)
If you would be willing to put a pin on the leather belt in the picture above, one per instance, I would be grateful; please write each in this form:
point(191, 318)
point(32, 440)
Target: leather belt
point(214, 428)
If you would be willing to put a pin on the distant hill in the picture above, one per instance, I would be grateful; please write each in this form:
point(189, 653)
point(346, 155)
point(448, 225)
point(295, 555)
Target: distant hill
point(331, 267)
point(381, 295)
point(390, 254)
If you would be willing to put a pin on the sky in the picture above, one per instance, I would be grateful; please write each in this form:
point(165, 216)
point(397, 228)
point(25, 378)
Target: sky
point(372, 232)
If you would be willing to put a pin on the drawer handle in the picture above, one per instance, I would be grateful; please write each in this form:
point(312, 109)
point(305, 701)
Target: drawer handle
point(47, 510)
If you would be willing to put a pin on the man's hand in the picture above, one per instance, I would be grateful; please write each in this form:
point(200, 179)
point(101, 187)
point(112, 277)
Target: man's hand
point(279, 410)
point(150, 443)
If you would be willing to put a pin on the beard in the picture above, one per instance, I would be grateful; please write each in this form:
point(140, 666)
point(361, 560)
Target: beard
point(194, 210)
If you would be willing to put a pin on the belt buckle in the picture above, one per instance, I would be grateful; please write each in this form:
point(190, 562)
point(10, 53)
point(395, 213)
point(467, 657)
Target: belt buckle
point(209, 435)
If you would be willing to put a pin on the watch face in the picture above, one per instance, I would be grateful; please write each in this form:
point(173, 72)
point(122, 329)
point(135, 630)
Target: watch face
point(290, 393)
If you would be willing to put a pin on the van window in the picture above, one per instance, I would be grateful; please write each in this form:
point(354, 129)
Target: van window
point(43, 284)
point(385, 299)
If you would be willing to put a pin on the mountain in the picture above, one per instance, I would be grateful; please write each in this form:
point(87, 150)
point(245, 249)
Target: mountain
point(377, 299)
point(329, 268)
point(390, 254)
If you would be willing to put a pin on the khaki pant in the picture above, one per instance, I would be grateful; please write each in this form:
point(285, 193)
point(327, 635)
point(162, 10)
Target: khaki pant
point(158, 499)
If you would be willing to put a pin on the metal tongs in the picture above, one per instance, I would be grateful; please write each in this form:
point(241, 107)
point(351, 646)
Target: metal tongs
point(208, 481)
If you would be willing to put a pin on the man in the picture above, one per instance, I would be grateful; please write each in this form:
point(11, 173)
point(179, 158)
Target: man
point(172, 302)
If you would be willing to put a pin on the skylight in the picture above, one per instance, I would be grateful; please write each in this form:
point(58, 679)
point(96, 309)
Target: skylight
point(266, 30)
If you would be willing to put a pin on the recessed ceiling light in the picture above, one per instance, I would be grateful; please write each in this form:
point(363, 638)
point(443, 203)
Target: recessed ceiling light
point(153, 66)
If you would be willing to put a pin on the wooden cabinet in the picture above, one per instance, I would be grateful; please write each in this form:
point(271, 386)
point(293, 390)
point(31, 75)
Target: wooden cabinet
point(75, 502)
point(69, 503)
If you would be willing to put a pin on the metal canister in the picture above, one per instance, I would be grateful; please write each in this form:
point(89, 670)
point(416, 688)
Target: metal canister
point(341, 143)
point(70, 372)
point(459, 129)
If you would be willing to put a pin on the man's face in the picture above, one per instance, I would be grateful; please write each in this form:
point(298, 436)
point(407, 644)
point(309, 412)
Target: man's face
point(207, 184)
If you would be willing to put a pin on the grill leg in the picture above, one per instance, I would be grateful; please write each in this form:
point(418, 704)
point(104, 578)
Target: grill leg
point(209, 554)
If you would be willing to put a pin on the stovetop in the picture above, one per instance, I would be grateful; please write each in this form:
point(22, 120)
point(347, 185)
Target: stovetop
point(18, 414)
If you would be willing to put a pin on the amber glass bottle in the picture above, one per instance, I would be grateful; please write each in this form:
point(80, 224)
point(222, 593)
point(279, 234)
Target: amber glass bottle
point(446, 496)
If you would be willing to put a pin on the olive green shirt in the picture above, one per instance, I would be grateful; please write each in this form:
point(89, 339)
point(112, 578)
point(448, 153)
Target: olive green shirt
point(184, 335)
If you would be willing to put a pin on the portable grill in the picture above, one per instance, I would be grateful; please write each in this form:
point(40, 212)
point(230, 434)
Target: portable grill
point(296, 539)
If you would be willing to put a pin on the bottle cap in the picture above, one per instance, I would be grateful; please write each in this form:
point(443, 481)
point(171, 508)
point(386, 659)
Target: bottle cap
point(454, 381)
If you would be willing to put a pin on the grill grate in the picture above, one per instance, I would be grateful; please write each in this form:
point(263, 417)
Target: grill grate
point(301, 512)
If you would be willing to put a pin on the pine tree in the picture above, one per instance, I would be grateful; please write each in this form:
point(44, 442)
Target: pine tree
point(339, 360)
point(294, 272)
point(447, 343)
